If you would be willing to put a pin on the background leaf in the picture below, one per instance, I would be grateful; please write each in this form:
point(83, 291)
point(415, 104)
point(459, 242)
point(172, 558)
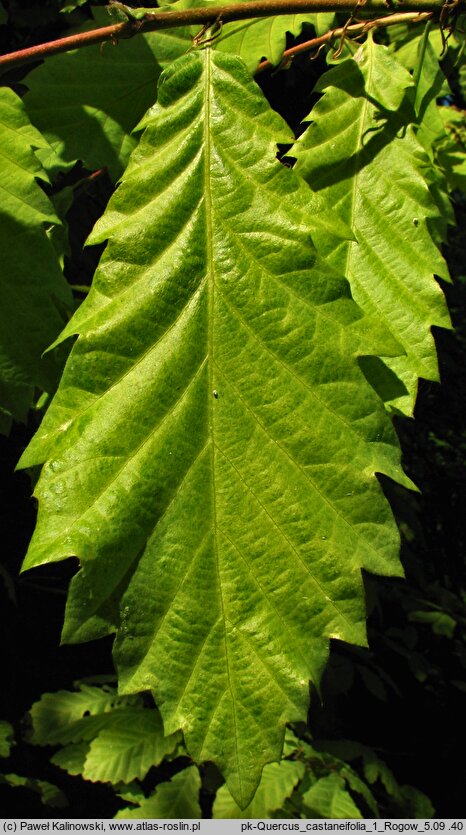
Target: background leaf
point(61, 717)
point(328, 798)
point(277, 783)
point(360, 153)
point(108, 90)
point(266, 37)
point(6, 738)
point(128, 747)
point(35, 296)
point(177, 799)
point(49, 794)
point(109, 738)
point(405, 39)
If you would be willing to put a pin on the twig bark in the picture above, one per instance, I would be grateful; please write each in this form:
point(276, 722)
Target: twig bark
point(208, 15)
point(352, 30)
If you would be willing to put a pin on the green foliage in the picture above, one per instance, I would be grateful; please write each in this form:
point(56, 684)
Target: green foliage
point(277, 783)
point(93, 721)
point(49, 794)
point(220, 362)
point(252, 39)
point(35, 295)
point(107, 93)
point(450, 147)
point(266, 37)
point(211, 454)
point(58, 717)
point(178, 798)
point(361, 153)
point(119, 741)
point(6, 738)
point(328, 798)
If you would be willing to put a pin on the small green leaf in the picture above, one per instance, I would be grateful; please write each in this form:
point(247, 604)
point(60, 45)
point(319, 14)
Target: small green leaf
point(71, 5)
point(277, 783)
point(357, 785)
point(49, 794)
point(64, 716)
point(177, 799)
point(405, 39)
point(328, 798)
point(127, 747)
point(441, 622)
point(72, 758)
point(430, 84)
point(416, 803)
point(376, 770)
point(7, 735)
point(113, 738)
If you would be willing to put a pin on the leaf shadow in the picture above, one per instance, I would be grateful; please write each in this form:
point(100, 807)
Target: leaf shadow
point(388, 126)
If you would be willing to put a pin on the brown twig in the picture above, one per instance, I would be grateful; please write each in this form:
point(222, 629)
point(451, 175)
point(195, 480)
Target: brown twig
point(206, 15)
point(354, 29)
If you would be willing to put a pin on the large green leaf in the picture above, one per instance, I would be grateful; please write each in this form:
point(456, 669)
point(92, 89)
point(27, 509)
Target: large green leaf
point(34, 294)
point(361, 153)
point(212, 447)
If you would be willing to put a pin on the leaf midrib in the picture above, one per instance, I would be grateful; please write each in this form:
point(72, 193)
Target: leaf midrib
point(210, 353)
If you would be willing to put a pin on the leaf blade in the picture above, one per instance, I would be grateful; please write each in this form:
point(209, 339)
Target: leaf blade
point(178, 798)
point(372, 169)
point(108, 91)
point(232, 492)
point(277, 783)
point(35, 296)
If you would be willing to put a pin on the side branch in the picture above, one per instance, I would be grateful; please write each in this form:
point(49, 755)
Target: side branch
point(354, 30)
point(208, 15)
